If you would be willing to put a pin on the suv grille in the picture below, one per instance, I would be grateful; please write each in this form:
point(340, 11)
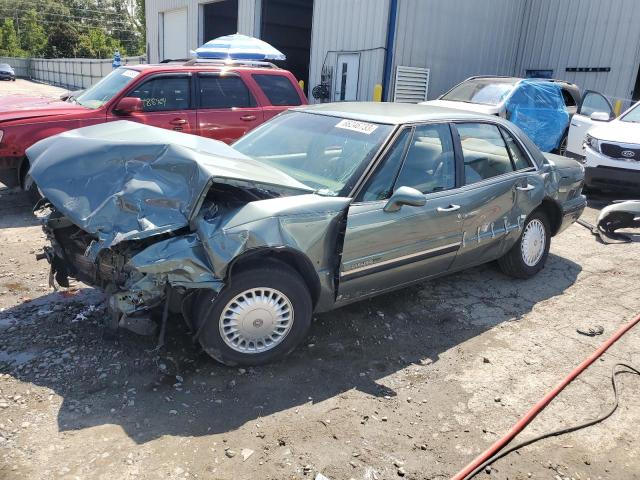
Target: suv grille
point(623, 153)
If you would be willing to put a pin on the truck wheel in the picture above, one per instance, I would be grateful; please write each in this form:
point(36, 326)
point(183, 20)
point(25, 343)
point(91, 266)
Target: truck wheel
point(260, 316)
point(528, 256)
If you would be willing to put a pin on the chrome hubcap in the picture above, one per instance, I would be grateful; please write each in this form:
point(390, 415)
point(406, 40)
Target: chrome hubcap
point(256, 320)
point(533, 242)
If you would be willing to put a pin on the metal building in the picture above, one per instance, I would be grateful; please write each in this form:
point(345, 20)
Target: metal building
point(418, 49)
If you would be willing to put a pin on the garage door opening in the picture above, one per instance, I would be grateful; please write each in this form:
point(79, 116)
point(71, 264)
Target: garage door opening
point(286, 24)
point(218, 19)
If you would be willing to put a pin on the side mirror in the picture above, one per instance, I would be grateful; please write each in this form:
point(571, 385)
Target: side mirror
point(600, 117)
point(128, 105)
point(405, 196)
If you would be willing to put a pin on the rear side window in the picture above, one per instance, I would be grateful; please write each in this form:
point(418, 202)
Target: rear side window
point(484, 151)
point(163, 94)
point(519, 158)
point(278, 90)
point(224, 92)
point(569, 101)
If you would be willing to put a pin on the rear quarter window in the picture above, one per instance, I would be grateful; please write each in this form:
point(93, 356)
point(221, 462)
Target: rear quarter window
point(278, 89)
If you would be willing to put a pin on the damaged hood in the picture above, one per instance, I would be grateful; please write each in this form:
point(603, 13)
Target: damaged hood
point(126, 181)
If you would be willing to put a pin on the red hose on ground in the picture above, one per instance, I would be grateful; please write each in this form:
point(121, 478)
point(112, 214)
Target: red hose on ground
point(538, 407)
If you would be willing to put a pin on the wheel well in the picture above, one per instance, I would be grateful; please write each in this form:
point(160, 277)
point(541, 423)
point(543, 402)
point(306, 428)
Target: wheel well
point(22, 171)
point(296, 260)
point(553, 212)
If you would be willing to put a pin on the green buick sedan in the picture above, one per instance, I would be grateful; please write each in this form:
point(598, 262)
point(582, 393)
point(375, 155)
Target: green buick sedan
point(319, 207)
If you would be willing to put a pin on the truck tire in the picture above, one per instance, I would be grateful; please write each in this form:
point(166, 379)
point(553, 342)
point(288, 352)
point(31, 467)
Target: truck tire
point(528, 256)
point(259, 317)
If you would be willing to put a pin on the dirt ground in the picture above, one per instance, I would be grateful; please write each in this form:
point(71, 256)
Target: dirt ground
point(414, 383)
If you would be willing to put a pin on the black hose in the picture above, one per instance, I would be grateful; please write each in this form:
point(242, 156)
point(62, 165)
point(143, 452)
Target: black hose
point(562, 431)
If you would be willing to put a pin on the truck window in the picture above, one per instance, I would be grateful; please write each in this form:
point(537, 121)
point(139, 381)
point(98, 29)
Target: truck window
point(224, 92)
point(278, 90)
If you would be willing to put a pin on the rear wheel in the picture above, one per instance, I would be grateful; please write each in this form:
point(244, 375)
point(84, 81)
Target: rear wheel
point(259, 317)
point(528, 256)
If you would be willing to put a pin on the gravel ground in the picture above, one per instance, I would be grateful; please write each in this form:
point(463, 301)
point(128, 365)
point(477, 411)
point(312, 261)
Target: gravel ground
point(29, 88)
point(413, 384)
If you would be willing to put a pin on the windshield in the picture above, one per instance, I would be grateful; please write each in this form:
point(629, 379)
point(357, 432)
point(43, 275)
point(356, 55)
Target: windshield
point(633, 115)
point(103, 91)
point(486, 91)
point(325, 153)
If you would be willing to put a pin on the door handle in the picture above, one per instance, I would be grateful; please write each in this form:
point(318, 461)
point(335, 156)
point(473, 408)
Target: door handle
point(525, 188)
point(248, 118)
point(450, 208)
point(178, 121)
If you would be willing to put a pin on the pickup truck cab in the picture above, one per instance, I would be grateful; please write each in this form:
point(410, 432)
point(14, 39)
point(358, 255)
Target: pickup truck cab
point(212, 99)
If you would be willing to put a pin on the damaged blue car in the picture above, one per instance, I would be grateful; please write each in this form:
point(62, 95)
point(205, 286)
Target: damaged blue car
point(317, 208)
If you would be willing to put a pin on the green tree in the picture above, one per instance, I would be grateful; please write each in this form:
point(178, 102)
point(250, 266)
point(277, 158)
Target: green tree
point(9, 45)
point(33, 38)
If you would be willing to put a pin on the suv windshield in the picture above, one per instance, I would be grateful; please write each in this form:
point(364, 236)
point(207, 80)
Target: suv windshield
point(633, 115)
point(486, 91)
point(325, 153)
point(103, 91)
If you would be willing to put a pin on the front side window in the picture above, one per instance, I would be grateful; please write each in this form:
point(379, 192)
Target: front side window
point(484, 152)
point(103, 91)
point(323, 152)
point(486, 91)
point(594, 102)
point(429, 165)
point(163, 94)
point(224, 92)
point(380, 184)
point(278, 90)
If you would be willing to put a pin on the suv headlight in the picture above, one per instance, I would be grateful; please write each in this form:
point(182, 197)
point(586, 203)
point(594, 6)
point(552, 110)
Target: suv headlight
point(1, 135)
point(592, 143)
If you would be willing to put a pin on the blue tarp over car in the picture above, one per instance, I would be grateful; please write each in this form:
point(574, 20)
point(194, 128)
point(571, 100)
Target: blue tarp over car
point(537, 107)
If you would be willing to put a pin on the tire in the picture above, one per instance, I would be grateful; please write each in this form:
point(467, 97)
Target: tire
point(515, 262)
point(214, 316)
point(562, 147)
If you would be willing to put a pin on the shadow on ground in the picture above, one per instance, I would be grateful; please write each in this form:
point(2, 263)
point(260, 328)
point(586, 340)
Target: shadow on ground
point(55, 342)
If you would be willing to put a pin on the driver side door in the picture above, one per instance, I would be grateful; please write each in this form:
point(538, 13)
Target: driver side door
point(384, 250)
point(581, 122)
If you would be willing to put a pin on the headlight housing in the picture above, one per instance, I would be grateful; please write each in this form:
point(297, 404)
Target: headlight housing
point(592, 143)
point(1, 135)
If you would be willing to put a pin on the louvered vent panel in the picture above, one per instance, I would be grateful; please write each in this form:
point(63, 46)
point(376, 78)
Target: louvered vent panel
point(412, 84)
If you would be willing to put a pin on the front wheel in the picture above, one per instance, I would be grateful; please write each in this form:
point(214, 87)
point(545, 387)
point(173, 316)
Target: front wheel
point(259, 317)
point(528, 256)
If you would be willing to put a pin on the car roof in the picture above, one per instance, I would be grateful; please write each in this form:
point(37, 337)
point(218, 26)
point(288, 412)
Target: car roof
point(519, 79)
point(391, 113)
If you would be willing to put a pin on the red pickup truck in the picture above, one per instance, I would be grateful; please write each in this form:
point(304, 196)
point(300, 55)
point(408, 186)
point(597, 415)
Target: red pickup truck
point(215, 100)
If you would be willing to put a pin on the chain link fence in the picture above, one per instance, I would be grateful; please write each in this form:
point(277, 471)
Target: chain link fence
point(69, 73)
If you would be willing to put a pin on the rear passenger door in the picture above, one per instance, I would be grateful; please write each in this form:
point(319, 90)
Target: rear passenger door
point(226, 107)
point(166, 102)
point(279, 93)
point(500, 187)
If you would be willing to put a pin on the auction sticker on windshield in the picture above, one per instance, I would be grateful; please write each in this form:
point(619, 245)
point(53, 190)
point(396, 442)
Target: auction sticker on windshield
point(354, 125)
point(130, 73)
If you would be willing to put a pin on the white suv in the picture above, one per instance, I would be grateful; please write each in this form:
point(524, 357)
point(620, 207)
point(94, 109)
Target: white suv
point(612, 153)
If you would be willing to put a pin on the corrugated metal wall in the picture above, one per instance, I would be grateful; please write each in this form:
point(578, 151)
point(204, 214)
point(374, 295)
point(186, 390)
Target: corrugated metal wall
point(456, 39)
point(350, 26)
point(154, 8)
point(584, 33)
